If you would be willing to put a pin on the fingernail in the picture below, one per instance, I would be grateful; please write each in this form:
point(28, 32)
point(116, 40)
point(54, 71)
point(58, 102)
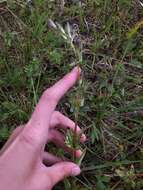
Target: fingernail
point(83, 137)
point(75, 171)
point(78, 153)
point(77, 69)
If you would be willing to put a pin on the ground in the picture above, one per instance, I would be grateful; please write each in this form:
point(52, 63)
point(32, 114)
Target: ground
point(33, 55)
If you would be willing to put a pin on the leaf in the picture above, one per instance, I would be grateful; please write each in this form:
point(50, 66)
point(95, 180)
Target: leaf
point(100, 185)
point(134, 29)
point(94, 133)
point(4, 133)
point(69, 139)
point(81, 157)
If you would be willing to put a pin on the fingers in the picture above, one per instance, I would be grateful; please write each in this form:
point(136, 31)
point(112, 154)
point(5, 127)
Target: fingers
point(59, 140)
point(50, 159)
point(62, 86)
point(61, 170)
point(65, 123)
point(37, 127)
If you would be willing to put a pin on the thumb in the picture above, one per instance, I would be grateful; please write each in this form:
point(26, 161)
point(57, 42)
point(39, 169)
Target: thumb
point(61, 170)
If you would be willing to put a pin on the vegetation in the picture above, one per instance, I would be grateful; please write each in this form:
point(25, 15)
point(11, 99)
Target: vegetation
point(33, 55)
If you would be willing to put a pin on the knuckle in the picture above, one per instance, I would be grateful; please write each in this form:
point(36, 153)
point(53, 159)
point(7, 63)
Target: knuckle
point(49, 95)
point(52, 135)
point(67, 80)
point(57, 115)
point(27, 138)
point(65, 170)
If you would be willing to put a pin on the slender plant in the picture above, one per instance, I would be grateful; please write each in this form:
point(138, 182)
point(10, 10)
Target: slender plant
point(72, 140)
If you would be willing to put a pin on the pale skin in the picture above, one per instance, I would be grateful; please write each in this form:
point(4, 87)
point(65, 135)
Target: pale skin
point(24, 165)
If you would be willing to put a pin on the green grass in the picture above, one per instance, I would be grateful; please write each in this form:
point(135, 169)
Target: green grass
point(33, 56)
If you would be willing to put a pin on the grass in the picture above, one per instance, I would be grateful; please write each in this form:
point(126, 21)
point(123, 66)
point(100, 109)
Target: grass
point(34, 56)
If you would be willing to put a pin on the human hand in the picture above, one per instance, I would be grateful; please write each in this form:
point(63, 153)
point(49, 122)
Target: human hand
point(24, 165)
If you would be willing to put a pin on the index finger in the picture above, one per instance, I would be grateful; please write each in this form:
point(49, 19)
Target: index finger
point(38, 125)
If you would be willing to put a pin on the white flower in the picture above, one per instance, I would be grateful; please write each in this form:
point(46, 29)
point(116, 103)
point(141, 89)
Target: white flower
point(52, 24)
point(141, 3)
